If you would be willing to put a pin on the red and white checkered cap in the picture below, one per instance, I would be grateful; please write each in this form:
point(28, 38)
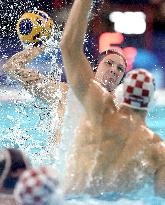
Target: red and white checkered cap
point(36, 187)
point(139, 87)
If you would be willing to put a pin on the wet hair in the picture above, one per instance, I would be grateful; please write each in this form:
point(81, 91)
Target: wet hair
point(10, 161)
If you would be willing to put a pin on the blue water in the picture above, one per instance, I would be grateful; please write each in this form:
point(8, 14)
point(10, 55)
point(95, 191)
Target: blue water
point(28, 126)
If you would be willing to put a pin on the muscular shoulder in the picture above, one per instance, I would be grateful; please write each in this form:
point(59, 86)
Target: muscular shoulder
point(100, 95)
point(98, 101)
point(157, 138)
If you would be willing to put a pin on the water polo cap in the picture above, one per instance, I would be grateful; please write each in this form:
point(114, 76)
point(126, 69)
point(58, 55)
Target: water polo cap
point(36, 186)
point(139, 87)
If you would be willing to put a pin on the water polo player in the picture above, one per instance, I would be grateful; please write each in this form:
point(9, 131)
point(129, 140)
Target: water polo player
point(44, 87)
point(113, 150)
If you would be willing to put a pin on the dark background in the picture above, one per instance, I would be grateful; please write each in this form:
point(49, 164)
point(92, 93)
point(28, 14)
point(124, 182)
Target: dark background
point(153, 40)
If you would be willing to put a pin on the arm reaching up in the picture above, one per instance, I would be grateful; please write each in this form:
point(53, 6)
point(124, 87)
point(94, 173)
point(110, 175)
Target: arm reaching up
point(15, 67)
point(77, 67)
point(36, 83)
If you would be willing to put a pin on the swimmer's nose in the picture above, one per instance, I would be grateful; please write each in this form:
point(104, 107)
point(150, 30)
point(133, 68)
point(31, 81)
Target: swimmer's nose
point(113, 73)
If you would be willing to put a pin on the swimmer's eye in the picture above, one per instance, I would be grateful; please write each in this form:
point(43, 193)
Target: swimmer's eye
point(120, 68)
point(109, 62)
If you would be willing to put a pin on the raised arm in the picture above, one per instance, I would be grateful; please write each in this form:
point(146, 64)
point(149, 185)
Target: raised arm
point(36, 83)
point(15, 67)
point(77, 67)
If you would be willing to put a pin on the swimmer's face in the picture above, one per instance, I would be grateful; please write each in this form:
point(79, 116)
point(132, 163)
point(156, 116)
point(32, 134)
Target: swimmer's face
point(110, 71)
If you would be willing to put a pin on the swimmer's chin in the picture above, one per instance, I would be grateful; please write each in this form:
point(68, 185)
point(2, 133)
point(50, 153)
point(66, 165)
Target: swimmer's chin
point(107, 87)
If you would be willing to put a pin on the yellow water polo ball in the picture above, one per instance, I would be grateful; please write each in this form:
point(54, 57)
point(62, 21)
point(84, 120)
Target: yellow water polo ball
point(34, 26)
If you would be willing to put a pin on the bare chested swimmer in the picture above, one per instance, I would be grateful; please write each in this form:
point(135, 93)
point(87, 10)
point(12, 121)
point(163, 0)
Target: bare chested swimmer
point(41, 86)
point(113, 151)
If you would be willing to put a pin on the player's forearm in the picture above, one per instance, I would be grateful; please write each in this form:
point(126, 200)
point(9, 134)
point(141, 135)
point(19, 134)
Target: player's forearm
point(19, 60)
point(76, 26)
point(77, 67)
point(15, 67)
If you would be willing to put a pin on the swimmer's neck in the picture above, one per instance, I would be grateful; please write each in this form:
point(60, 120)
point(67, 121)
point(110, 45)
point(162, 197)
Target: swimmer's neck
point(134, 112)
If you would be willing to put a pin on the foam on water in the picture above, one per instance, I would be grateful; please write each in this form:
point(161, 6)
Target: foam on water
point(28, 125)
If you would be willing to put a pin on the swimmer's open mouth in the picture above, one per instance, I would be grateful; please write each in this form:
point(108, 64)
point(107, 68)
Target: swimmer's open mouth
point(136, 98)
point(108, 81)
point(111, 80)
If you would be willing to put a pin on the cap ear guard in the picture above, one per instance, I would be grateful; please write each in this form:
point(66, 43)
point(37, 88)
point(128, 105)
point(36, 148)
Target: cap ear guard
point(5, 165)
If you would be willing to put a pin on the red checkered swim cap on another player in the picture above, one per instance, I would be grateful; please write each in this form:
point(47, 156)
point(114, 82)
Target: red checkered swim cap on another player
point(139, 87)
point(38, 187)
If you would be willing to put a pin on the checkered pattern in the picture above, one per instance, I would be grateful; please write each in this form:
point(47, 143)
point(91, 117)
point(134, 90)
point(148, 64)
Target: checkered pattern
point(36, 186)
point(138, 88)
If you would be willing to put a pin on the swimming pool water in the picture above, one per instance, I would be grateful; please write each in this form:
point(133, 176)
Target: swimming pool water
point(28, 126)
